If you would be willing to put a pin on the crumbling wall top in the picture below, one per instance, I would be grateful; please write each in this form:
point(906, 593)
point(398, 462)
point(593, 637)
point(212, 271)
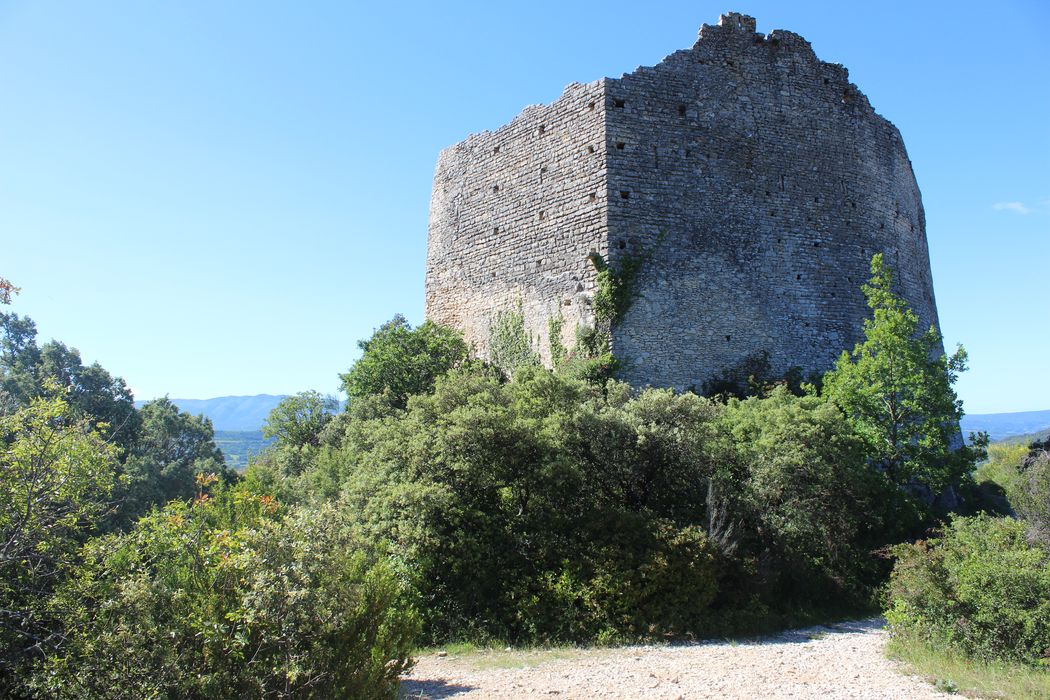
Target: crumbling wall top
point(737, 20)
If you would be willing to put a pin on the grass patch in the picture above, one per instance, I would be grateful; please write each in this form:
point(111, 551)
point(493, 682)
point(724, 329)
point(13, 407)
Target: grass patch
point(951, 672)
point(495, 655)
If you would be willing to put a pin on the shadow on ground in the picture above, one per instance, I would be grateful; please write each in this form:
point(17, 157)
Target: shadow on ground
point(414, 689)
point(808, 634)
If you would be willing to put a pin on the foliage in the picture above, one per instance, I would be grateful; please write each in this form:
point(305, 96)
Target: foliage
point(559, 352)
point(642, 579)
point(171, 449)
point(503, 531)
point(896, 388)
point(1032, 497)
point(399, 361)
point(753, 376)
point(546, 508)
point(256, 601)
point(92, 393)
point(608, 295)
point(56, 477)
point(298, 420)
point(647, 453)
point(591, 359)
point(6, 290)
point(617, 286)
point(980, 588)
point(999, 479)
point(810, 510)
point(510, 345)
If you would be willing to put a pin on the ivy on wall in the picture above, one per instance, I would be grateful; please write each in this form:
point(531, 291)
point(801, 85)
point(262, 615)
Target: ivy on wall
point(615, 291)
point(559, 352)
point(510, 344)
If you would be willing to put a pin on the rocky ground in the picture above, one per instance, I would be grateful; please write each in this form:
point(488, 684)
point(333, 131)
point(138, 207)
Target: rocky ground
point(838, 661)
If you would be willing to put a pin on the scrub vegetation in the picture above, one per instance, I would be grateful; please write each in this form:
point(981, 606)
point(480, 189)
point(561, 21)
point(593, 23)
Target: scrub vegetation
point(452, 500)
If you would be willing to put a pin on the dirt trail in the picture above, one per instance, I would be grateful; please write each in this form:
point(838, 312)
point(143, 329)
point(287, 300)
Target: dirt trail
point(838, 661)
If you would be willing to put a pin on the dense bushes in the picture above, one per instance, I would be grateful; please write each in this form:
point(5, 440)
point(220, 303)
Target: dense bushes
point(1032, 493)
point(229, 597)
point(57, 474)
point(980, 587)
point(815, 509)
point(983, 585)
point(546, 508)
point(450, 500)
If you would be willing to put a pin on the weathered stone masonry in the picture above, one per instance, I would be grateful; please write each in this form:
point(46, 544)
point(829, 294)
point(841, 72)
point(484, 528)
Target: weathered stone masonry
point(758, 176)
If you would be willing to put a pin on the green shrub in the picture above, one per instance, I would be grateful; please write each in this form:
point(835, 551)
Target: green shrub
point(647, 579)
point(510, 343)
point(1033, 492)
point(809, 509)
point(229, 597)
point(980, 587)
point(57, 477)
point(399, 361)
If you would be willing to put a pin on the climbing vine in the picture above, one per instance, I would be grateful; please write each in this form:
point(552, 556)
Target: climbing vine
point(509, 342)
point(558, 350)
point(615, 290)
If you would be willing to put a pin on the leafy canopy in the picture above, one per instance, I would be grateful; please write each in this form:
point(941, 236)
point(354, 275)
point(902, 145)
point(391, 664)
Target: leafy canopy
point(231, 596)
point(171, 449)
point(56, 478)
point(896, 389)
point(298, 420)
point(93, 393)
point(400, 361)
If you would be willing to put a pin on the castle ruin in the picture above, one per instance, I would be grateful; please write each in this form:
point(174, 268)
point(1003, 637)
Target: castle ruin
point(754, 178)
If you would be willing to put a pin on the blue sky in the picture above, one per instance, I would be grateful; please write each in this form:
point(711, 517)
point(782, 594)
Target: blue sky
point(222, 198)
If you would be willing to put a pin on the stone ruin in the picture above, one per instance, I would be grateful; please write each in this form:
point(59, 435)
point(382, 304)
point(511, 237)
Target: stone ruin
point(752, 180)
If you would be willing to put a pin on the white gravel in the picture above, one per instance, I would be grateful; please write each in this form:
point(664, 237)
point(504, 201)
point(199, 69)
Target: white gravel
point(839, 661)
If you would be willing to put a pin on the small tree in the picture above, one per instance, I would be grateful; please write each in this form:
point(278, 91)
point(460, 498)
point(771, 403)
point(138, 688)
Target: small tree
point(400, 361)
point(6, 290)
point(172, 448)
point(298, 420)
point(896, 389)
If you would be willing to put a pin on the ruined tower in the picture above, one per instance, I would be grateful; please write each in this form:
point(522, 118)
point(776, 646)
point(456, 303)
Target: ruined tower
point(754, 180)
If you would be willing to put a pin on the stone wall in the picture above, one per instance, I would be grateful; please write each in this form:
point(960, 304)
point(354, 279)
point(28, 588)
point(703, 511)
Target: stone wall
point(773, 183)
point(756, 177)
point(514, 214)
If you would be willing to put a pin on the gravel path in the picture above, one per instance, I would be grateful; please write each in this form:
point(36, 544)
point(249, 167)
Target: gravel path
point(839, 661)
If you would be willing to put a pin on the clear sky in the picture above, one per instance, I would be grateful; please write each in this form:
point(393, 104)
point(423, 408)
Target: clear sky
point(214, 198)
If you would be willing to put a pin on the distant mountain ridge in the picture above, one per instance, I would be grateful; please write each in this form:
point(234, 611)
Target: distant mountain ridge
point(235, 413)
point(1004, 425)
point(249, 413)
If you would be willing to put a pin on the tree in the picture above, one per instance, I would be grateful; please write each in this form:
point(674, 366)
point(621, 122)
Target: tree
point(811, 510)
point(400, 361)
point(6, 290)
point(172, 448)
point(93, 393)
point(19, 357)
point(896, 389)
point(1032, 497)
point(56, 477)
point(297, 421)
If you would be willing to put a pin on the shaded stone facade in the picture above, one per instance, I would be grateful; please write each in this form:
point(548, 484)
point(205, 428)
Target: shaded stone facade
point(756, 180)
